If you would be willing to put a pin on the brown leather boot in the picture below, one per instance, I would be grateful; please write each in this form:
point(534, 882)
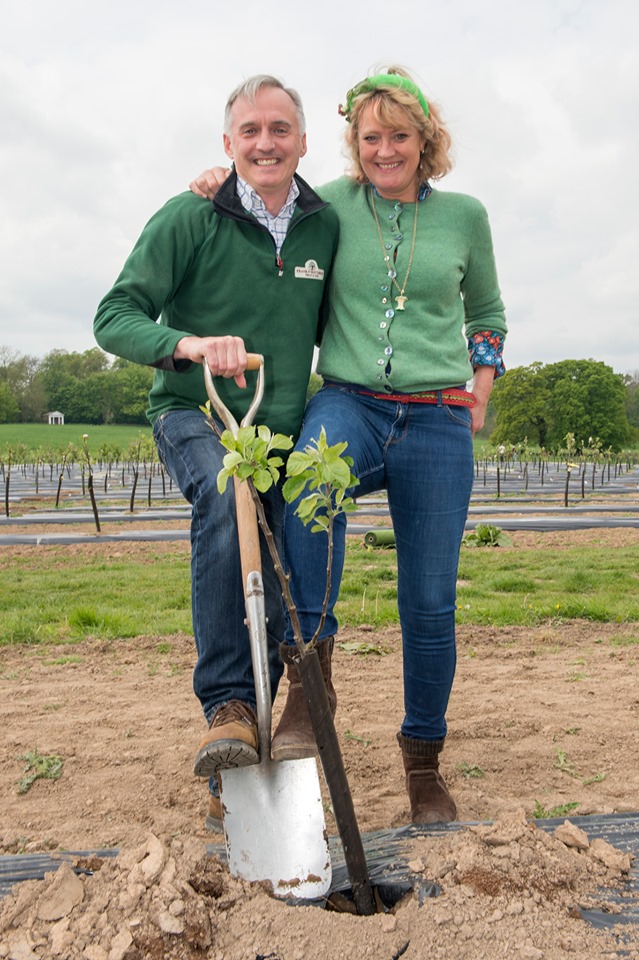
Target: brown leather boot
point(430, 801)
point(214, 821)
point(294, 737)
point(231, 740)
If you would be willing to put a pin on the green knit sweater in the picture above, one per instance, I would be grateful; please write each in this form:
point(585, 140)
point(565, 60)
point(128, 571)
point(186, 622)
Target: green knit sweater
point(209, 270)
point(452, 291)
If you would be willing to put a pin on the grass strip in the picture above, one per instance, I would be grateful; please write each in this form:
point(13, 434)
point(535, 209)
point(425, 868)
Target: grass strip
point(56, 594)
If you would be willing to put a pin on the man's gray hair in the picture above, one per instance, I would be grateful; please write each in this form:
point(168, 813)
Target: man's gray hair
point(249, 89)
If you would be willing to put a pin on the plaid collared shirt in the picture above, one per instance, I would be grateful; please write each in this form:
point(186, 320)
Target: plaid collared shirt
point(277, 224)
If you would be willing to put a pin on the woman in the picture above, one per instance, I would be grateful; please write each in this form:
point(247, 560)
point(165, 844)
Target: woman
point(414, 313)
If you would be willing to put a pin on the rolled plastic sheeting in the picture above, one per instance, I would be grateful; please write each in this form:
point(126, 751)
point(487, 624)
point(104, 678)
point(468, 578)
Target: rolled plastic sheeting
point(380, 537)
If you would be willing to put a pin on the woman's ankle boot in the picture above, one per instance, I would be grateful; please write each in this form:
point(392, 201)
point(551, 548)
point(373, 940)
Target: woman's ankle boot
point(430, 801)
point(294, 737)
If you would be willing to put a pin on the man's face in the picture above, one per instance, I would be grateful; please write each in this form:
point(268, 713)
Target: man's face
point(265, 141)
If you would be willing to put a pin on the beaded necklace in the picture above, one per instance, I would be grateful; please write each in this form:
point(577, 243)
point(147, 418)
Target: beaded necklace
point(392, 273)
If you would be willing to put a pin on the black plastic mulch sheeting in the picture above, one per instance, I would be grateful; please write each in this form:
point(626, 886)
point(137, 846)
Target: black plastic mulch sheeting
point(33, 866)
point(505, 523)
point(389, 872)
point(388, 868)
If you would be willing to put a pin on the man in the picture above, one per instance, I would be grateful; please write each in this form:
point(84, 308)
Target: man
point(227, 278)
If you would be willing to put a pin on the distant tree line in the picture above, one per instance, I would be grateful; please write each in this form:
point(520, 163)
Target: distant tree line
point(540, 403)
point(585, 398)
point(86, 387)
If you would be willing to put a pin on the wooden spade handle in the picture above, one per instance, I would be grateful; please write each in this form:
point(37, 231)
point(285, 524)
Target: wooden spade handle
point(247, 525)
point(253, 361)
point(247, 531)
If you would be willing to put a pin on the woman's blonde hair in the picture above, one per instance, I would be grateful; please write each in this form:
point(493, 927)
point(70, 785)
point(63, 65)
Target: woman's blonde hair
point(393, 106)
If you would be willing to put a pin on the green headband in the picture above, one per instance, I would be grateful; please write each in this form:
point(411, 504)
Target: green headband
point(382, 80)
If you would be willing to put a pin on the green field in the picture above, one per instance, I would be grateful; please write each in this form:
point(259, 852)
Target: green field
point(62, 595)
point(42, 437)
point(35, 439)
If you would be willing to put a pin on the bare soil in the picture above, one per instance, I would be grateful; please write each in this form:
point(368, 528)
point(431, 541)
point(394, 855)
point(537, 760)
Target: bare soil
point(540, 718)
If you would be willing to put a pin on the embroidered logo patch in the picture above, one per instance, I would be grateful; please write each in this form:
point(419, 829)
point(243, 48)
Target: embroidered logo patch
point(310, 271)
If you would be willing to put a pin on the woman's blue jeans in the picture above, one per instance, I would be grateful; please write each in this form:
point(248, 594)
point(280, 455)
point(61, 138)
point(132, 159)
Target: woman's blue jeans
point(422, 455)
point(193, 454)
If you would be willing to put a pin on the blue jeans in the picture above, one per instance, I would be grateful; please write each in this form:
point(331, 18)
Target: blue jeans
point(192, 454)
point(422, 455)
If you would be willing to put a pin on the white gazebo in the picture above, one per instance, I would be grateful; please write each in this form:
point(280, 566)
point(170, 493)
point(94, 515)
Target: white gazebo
point(55, 417)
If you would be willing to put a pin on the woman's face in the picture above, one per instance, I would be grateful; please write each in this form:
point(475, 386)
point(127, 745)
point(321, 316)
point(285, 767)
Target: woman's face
point(389, 156)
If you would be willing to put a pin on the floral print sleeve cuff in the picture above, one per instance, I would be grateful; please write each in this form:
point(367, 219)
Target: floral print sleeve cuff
point(486, 350)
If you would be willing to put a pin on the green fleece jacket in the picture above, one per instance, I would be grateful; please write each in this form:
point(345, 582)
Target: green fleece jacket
point(210, 269)
point(452, 290)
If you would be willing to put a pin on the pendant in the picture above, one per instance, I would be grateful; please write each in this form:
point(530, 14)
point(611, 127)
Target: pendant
point(400, 301)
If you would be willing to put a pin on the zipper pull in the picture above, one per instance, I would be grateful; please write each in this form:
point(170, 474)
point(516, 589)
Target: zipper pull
point(280, 265)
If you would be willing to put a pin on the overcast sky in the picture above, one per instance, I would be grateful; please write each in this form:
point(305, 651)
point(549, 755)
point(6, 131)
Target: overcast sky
point(108, 109)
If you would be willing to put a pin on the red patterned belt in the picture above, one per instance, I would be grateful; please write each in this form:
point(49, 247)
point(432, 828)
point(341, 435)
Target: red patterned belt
point(453, 397)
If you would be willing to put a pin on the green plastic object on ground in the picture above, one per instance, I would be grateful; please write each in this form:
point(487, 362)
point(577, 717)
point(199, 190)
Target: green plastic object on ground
point(380, 537)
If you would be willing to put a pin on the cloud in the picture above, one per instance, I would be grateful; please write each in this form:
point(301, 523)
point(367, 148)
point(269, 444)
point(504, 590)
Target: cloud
point(107, 111)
